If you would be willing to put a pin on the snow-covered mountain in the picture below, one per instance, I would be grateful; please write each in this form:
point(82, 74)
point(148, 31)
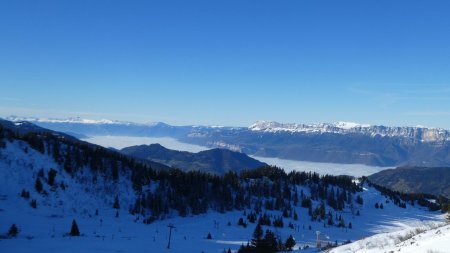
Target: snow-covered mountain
point(72, 120)
point(48, 179)
point(341, 142)
point(418, 133)
point(422, 134)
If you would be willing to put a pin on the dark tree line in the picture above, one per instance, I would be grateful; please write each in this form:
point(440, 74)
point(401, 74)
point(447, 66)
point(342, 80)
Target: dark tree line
point(400, 198)
point(266, 188)
point(266, 242)
point(194, 192)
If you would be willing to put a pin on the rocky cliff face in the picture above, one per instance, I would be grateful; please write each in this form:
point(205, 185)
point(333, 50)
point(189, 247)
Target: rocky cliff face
point(414, 134)
point(341, 142)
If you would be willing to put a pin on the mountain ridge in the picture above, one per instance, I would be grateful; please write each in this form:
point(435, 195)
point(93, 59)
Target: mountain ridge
point(48, 180)
point(342, 142)
point(416, 180)
point(215, 160)
point(422, 133)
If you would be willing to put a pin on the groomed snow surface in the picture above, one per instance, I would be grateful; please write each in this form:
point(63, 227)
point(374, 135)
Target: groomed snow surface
point(45, 229)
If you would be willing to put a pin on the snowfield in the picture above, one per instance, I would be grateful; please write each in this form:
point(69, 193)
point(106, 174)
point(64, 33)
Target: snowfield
point(45, 228)
point(424, 239)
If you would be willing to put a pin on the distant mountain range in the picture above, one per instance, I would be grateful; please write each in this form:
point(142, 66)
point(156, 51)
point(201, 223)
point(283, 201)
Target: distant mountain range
point(51, 181)
point(217, 161)
point(341, 142)
point(435, 181)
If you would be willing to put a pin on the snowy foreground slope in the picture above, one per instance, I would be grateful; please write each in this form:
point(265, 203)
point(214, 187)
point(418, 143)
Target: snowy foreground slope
point(45, 228)
point(424, 239)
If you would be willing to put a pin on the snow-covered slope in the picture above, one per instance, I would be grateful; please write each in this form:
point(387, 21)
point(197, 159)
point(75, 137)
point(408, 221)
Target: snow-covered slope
point(341, 142)
point(423, 239)
point(79, 194)
point(44, 228)
point(70, 195)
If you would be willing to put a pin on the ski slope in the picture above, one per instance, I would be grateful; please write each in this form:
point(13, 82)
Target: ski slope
point(45, 228)
point(423, 239)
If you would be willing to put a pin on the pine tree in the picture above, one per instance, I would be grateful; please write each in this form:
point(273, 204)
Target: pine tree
point(342, 223)
point(278, 222)
point(269, 243)
point(38, 185)
point(33, 203)
point(209, 236)
point(350, 225)
point(330, 220)
point(258, 233)
point(51, 177)
point(257, 237)
point(74, 231)
point(13, 231)
point(241, 222)
point(245, 249)
point(114, 171)
point(290, 243)
point(41, 173)
point(116, 204)
point(359, 200)
point(25, 194)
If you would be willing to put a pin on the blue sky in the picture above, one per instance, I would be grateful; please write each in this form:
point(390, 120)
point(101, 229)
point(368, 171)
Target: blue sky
point(227, 62)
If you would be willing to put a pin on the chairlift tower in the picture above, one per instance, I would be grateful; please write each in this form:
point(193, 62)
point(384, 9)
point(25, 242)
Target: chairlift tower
point(318, 244)
point(170, 226)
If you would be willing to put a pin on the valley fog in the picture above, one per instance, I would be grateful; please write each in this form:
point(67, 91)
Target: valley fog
point(357, 170)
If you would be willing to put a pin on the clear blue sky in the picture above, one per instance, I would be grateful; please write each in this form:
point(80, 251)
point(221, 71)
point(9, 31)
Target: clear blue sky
point(227, 62)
